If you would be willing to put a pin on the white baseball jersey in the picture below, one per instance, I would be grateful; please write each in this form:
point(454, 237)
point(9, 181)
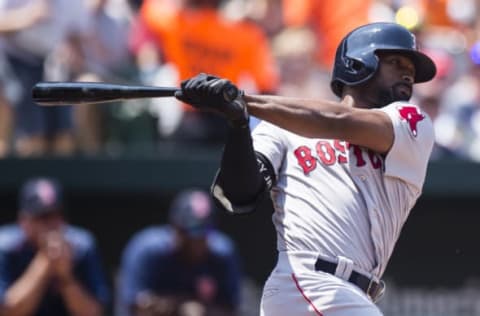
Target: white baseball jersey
point(338, 199)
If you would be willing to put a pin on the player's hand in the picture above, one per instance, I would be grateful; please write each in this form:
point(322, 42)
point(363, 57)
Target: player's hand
point(59, 254)
point(148, 304)
point(210, 93)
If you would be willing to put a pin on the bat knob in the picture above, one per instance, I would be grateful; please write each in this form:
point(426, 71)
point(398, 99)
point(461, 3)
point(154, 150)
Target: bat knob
point(230, 92)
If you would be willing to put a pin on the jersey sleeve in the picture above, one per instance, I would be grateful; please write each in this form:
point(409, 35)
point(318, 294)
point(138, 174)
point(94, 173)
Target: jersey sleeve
point(141, 263)
point(413, 142)
point(96, 280)
point(230, 280)
point(10, 238)
point(5, 275)
point(89, 269)
point(270, 140)
point(134, 272)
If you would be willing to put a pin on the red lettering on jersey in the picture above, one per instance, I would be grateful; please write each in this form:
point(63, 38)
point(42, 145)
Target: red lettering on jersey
point(412, 115)
point(305, 159)
point(326, 153)
point(329, 155)
point(375, 159)
point(341, 147)
point(357, 151)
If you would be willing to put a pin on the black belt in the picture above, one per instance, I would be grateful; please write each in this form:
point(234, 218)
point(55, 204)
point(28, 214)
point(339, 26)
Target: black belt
point(372, 288)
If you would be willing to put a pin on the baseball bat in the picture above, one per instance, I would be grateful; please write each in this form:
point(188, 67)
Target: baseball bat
point(72, 93)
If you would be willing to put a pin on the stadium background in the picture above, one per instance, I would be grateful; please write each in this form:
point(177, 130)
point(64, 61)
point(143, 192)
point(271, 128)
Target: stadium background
point(129, 182)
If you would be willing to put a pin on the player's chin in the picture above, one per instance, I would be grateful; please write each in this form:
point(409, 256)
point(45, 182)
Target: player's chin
point(401, 92)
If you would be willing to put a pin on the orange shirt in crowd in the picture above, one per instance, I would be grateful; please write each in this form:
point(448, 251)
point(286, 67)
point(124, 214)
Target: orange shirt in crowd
point(436, 12)
point(202, 40)
point(331, 20)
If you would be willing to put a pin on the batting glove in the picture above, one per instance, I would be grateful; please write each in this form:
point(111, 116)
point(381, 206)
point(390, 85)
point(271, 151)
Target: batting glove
point(210, 93)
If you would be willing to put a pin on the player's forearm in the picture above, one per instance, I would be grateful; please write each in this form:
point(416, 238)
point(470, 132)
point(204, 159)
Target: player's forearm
point(326, 119)
point(78, 301)
point(239, 178)
point(306, 117)
point(23, 297)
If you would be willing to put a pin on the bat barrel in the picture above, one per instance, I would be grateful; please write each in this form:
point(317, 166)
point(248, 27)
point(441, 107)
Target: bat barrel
point(61, 93)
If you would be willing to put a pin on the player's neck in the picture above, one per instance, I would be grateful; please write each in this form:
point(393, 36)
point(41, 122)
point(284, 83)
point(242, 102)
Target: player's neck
point(360, 99)
point(351, 99)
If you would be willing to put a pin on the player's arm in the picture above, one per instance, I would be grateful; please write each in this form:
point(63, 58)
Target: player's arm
point(25, 294)
point(307, 117)
point(325, 119)
point(89, 295)
point(240, 182)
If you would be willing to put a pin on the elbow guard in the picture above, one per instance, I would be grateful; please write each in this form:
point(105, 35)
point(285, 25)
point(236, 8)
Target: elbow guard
point(268, 180)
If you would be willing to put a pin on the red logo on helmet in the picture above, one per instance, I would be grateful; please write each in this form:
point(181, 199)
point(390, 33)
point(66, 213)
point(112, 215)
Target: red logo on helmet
point(412, 115)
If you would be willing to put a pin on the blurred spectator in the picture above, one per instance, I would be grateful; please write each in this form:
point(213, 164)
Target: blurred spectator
point(459, 120)
point(29, 31)
point(10, 91)
point(448, 13)
point(330, 20)
point(186, 267)
point(48, 267)
point(197, 37)
point(294, 50)
point(106, 58)
point(430, 96)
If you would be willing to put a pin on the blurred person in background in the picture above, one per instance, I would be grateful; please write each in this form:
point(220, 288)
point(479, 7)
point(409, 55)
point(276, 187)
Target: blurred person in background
point(294, 49)
point(47, 266)
point(432, 95)
point(185, 267)
point(330, 20)
point(196, 36)
point(30, 30)
point(106, 57)
point(459, 118)
point(9, 92)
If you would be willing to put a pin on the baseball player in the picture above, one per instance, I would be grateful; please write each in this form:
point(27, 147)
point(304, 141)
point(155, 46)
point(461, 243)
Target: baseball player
point(343, 176)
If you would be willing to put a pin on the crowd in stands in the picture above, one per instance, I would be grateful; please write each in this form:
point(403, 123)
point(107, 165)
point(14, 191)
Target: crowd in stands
point(264, 46)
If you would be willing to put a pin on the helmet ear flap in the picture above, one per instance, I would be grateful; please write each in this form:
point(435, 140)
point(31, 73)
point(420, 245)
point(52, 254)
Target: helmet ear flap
point(347, 61)
point(353, 66)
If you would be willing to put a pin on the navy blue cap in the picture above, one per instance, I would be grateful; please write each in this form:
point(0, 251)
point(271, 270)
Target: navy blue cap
point(192, 212)
point(39, 196)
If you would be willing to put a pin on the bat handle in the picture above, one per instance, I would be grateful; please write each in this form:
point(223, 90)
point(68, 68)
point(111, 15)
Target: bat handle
point(230, 92)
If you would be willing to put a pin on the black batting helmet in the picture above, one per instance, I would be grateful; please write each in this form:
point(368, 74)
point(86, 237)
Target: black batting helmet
point(356, 60)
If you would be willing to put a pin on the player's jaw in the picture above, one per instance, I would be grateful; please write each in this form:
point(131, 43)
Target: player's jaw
point(377, 93)
point(402, 91)
point(399, 91)
point(383, 90)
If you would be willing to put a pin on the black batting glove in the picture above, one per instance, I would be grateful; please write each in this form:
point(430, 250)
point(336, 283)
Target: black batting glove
point(209, 93)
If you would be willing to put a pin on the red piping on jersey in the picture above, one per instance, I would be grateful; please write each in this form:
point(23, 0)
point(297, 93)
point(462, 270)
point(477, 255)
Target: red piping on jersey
point(317, 312)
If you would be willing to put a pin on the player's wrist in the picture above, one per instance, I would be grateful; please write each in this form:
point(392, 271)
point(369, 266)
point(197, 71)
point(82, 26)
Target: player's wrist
point(236, 112)
point(65, 281)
